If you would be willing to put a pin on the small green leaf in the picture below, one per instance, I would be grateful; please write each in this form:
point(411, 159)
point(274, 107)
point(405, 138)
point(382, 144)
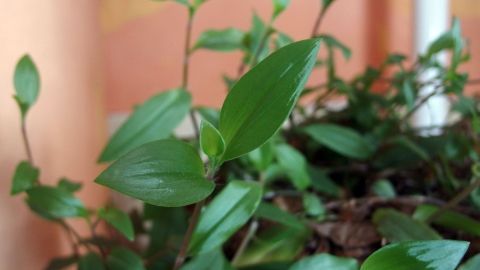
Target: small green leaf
point(383, 188)
point(325, 261)
point(294, 165)
point(53, 203)
point(228, 211)
point(397, 227)
point(313, 205)
point(221, 40)
point(340, 139)
point(91, 261)
point(165, 173)
point(25, 177)
point(214, 260)
point(421, 255)
point(449, 219)
point(119, 220)
point(153, 120)
point(211, 140)
point(260, 101)
point(69, 186)
point(27, 83)
point(271, 212)
point(124, 259)
point(279, 6)
point(472, 264)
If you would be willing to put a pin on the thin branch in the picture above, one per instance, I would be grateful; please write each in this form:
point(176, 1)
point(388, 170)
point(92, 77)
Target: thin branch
point(318, 22)
point(252, 229)
point(26, 142)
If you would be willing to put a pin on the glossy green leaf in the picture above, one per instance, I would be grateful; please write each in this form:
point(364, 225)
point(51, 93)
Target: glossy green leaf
point(165, 173)
point(397, 227)
point(27, 83)
point(211, 140)
point(383, 188)
point(271, 212)
point(325, 261)
point(119, 220)
point(448, 219)
point(228, 211)
point(69, 186)
point(313, 205)
point(260, 101)
point(279, 6)
point(294, 165)
point(25, 177)
point(472, 263)
point(124, 259)
point(221, 40)
point(417, 255)
point(91, 261)
point(153, 120)
point(342, 140)
point(52, 203)
point(214, 260)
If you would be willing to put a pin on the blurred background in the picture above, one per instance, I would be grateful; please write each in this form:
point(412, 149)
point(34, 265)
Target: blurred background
point(98, 58)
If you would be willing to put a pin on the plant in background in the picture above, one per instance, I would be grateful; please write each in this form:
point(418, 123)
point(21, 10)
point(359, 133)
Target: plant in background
point(324, 192)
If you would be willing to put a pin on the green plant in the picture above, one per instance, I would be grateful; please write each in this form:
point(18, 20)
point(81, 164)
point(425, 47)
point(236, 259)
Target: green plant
point(336, 181)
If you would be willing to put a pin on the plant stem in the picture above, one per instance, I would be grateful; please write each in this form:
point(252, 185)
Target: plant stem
point(318, 22)
point(186, 67)
point(252, 229)
point(26, 142)
point(92, 226)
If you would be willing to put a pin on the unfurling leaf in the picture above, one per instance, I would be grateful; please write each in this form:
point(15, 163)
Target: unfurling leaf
point(211, 140)
point(164, 173)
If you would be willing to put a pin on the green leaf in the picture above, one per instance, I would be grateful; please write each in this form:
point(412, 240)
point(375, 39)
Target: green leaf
point(209, 114)
point(211, 140)
point(279, 6)
point(53, 203)
point(313, 205)
point(61, 262)
point(124, 259)
point(325, 261)
point(421, 255)
point(342, 140)
point(164, 173)
point(383, 188)
point(228, 211)
point(448, 219)
point(271, 212)
point(397, 227)
point(294, 165)
point(214, 260)
point(263, 156)
point(91, 261)
point(153, 120)
point(452, 39)
point(27, 83)
point(472, 264)
point(332, 43)
point(221, 40)
point(258, 104)
point(69, 186)
point(25, 177)
point(119, 220)
point(408, 94)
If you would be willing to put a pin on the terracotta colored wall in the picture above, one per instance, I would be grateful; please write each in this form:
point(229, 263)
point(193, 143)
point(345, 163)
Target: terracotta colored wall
point(67, 126)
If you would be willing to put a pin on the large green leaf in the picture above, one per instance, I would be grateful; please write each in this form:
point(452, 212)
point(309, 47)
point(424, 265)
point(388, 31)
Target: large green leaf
point(397, 227)
point(153, 120)
point(164, 173)
point(221, 40)
point(417, 255)
point(52, 203)
point(229, 211)
point(27, 83)
point(91, 261)
point(214, 260)
point(124, 259)
point(449, 219)
point(24, 178)
point(294, 165)
point(325, 261)
point(340, 139)
point(260, 101)
point(119, 220)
